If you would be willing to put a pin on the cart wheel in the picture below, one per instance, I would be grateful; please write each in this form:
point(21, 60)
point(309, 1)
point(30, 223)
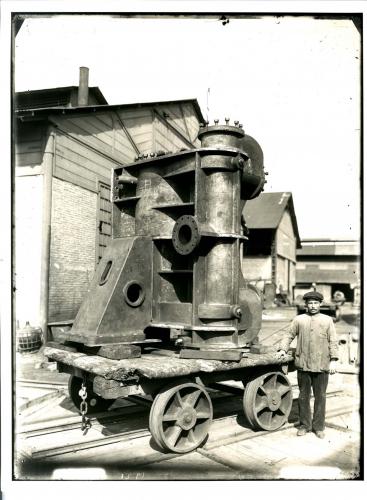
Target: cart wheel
point(180, 417)
point(267, 401)
point(95, 403)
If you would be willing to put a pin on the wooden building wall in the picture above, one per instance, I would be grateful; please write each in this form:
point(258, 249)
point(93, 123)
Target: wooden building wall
point(29, 147)
point(285, 244)
point(278, 267)
point(87, 147)
point(257, 269)
point(330, 269)
point(28, 211)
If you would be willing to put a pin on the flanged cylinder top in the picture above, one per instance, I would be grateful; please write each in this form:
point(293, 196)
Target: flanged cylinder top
point(250, 159)
point(221, 135)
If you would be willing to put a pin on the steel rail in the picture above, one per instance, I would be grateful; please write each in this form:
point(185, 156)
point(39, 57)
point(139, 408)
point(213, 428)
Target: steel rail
point(94, 443)
point(39, 383)
point(141, 433)
point(115, 415)
point(73, 422)
point(112, 416)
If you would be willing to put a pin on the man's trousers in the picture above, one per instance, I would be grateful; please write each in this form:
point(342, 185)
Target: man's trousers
point(318, 381)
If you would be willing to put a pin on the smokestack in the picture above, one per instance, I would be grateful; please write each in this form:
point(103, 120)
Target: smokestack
point(83, 86)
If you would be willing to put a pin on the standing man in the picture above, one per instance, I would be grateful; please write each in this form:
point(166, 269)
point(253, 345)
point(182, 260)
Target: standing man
point(316, 356)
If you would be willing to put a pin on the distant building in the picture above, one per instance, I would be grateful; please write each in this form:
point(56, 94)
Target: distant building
point(64, 156)
point(270, 253)
point(332, 265)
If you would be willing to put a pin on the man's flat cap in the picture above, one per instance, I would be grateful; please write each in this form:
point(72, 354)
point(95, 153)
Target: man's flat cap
point(313, 296)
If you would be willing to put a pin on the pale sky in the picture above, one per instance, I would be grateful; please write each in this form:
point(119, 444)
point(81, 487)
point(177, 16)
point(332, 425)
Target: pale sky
point(293, 82)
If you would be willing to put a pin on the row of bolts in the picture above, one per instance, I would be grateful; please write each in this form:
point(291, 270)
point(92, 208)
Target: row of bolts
point(236, 123)
point(201, 125)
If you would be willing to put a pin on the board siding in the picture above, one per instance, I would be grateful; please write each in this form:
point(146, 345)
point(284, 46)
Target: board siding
point(81, 165)
point(286, 239)
point(28, 159)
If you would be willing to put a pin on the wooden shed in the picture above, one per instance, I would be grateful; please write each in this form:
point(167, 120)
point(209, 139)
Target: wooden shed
point(331, 265)
point(270, 252)
point(63, 156)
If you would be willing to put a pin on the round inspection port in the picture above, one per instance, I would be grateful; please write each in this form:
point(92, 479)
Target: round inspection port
point(134, 293)
point(185, 235)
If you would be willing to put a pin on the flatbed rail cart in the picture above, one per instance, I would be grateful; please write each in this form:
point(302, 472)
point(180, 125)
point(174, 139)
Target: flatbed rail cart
point(181, 412)
point(172, 278)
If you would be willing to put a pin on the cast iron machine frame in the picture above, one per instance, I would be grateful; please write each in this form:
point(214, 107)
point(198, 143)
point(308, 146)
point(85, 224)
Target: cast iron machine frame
point(172, 277)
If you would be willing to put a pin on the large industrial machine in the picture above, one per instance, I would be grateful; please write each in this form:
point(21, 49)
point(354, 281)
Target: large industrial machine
point(168, 299)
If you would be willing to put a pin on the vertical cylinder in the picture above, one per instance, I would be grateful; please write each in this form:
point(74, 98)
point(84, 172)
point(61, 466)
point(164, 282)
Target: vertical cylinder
point(219, 272)
point(221, 199)
point(221, 187)
point(83, 90)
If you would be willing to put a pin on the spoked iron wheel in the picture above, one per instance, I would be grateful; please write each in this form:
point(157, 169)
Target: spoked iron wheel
point(95, 403)
point(180, 417)
point(267, 401)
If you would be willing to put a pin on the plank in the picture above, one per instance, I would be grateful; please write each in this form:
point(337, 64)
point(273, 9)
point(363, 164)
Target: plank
point(28, 158)
point(93, 127)
point(229, 355)
point(85, 166)
point(66, 175)
point(151, 366)
point(28, 147)
point(69, 143)
point(78, 134)
point(134, 115)
point(124, 146)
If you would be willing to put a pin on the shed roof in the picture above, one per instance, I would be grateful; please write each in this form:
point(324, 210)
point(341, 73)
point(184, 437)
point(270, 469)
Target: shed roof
point(266, 211)
point(313, 248)
point(55, 97)
point(42, 112)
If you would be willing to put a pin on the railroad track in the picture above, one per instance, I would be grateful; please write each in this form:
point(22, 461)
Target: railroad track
point(38, 384)
point(134, 420)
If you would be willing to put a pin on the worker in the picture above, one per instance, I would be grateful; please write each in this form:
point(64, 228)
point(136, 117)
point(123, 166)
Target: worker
point(316, 356)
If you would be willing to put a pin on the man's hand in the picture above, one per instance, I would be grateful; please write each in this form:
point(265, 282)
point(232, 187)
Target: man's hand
point(332, 368)
point(282, 353)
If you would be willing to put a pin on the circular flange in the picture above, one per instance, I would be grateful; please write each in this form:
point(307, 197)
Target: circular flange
point(221, 129)
point(185, 235)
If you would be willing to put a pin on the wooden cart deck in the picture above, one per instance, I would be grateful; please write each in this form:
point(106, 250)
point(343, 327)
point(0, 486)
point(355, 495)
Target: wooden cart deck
point(181, 411)
point(157, 364)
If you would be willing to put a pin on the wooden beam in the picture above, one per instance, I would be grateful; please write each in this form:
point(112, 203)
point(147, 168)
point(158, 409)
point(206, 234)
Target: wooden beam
point(184, 121)
point(100, 150)
point(173, 129)
point(123, 126)
point(220, 355)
